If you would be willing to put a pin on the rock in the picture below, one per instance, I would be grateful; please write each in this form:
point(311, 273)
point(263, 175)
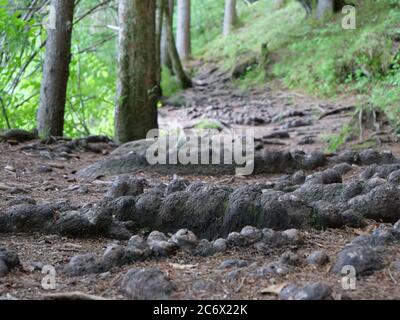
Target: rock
point(204, 248)
point(73, 224)
point(326, 215)
point(175, 186)
point(200, 211)
point(353, 219)
point(381, 203)
point(309, 161)
point(347, 156)
point(273, 269)
point(125, 186)
point(298, 177)
point(82, 265)
point(328, 176)
point(292, 236)
point(147, 207)
point(3, 268)
point(396, 265)
point(162, 248)
point(220, 245)
point(146, 284)
point(364, 259)
point(236, 239)
point(138, 242)
point(314, 291)
point(21, 200)
point(317, 258)
point(124, 208)
point(369, 156)
point(251, 234)
point(100, 219)
point(118, 231)
point(184, 239)
point(156, 236)
point(204, 285)
point(231, 263)
point(290, 259)
point(30, 218)
point(342, 168)
point(8, 260)
point(114, 256)
point(394, 177)
point(307, 140)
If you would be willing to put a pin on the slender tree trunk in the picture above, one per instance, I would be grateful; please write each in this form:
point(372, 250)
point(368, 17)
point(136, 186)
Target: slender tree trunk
point(137, 88)
point(324, 7)
point(53, 91)
point(159, 25)
point(183, 39)
point(230, 17)
point(173, 52)
point(165, 58)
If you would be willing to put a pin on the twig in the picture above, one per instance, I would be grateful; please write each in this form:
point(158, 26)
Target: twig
point(71, 296)
point(335, 111)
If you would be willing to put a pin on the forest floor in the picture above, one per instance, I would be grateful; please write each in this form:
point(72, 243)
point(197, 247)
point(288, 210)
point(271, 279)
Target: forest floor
point(48, 175)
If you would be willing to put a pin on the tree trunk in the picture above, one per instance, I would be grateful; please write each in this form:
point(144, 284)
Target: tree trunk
point(230, 17)
point(173, 52)
point(137, 89)
point(324, 8)
point(183, 39)
point(159, 26)
point(53, 91)
point(165, 58)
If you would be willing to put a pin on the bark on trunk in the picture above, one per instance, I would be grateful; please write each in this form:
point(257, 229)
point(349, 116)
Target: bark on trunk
point(324, 8)
point(230, 17)
point(53, 91)
point(137, 89)
point(165, 58)
point(183, 39)
point(173, 52)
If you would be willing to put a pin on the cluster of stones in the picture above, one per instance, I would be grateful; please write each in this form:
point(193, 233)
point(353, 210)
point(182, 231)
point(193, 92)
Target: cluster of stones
point(158, 245)
point(298, 201)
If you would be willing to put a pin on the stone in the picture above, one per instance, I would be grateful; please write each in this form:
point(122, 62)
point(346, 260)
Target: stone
point(251, 234)
point(364, 259)
point(162, 248)
point(290, 259)
point(231, 263)
point(146, 284)
point(292, 236)
point(317, 258)
point(381, 203)
point(30, 218)
point(3, 268)
point(272, 269)
point(82, 265)
point(236, 239)
point(204, 248)
point(184, 239)
point(125, 186)
point(156, 236)
point(369, 156)
point(10, 258)
point(118, 231)
point(72, 224)
point(353, 219)
point(114, 256)
point(220, 245)
point(313, 291)
point(394, 177)
point(175, 186)
point(342, 168)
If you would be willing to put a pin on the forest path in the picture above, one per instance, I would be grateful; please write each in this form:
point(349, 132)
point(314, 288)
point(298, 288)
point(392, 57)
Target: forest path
point(281, 118)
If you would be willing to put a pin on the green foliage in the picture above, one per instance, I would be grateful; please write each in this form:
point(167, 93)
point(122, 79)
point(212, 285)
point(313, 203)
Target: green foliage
point(169, 83)
point(335, 141)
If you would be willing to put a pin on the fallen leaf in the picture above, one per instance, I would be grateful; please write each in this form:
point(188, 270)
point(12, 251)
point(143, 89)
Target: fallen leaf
point(274, 289)
point(183, 266)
